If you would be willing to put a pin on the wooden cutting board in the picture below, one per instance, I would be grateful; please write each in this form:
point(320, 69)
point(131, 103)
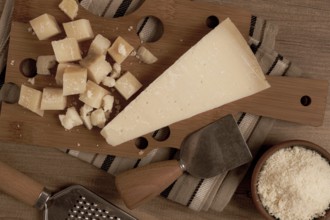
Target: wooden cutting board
point(184, 23)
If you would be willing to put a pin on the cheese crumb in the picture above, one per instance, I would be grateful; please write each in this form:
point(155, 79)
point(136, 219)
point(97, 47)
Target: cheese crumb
point(70, 119)
point(115, 74)
point(85, 111)
point(144, 55)
point(108, 101)
point(98, 118)
point(31, 80)
point(294, 184)
point(12, 62)
point(109, 82)
point(133, 53)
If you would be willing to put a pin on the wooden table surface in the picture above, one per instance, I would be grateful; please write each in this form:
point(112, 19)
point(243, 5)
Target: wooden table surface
point(303, 38)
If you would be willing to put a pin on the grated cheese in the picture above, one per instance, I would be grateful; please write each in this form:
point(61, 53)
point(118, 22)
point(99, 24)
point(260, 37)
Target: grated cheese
point(294, 184)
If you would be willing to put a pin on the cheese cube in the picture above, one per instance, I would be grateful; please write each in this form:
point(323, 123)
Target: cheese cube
point(66, 50)
point(98, 118)
point(80, 29)
point(74, 80)
point(99, 45)
point(70, 8)
point(31, 99)
point(45, 63)
point(120, 50)
point(107, 104)
point(45, 26)
point(60, 71)
point(98, 68)
point(93, 95)
point(145, 55)
point(53, 99)
point(85, 116)
point(127, 85)
point(71, 119)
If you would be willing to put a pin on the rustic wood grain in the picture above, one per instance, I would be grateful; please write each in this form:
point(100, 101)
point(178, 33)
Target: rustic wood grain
point(303, 38)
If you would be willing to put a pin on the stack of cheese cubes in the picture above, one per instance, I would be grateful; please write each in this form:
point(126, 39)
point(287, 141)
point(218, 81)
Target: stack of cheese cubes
point(86, 76)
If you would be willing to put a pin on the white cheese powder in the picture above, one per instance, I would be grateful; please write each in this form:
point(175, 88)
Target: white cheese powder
point(294, 184)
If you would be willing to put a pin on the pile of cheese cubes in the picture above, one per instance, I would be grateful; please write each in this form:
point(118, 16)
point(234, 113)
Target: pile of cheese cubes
point(88, 77)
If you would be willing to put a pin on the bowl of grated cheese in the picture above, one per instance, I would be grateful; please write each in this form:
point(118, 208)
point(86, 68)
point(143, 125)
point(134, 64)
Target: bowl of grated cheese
point(292, 181)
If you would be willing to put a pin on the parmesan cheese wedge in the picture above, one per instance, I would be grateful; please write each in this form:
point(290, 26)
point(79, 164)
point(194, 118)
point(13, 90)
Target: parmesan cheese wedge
point(218, 70)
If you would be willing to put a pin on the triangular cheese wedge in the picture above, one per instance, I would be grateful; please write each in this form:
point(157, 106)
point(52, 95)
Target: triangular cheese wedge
point(219, 69)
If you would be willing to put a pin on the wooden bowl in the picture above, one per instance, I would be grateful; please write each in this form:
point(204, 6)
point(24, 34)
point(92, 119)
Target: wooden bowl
point(255, 197)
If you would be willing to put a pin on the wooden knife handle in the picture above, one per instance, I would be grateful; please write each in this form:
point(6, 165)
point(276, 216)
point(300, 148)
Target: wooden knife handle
point(18, 185)
point(140, 185)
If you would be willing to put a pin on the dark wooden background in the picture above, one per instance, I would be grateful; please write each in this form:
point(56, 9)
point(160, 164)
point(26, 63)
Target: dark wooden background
point(304, 38)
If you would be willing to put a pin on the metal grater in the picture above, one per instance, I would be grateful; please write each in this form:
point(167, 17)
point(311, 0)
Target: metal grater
point(77, 202)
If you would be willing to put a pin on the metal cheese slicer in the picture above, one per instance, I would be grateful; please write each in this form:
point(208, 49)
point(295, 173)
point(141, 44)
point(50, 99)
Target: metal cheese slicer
point(207, 152)
point(74, 202)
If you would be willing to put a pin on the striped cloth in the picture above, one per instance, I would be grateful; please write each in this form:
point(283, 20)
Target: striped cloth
point(197, 194)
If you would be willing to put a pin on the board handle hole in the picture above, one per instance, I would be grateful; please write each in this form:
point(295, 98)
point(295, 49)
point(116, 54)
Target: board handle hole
point(9, 93)
point(141, 143)
point(306, 100)
point(28, 67)
point(150, 29)
point(162, 134)
point(212, 21)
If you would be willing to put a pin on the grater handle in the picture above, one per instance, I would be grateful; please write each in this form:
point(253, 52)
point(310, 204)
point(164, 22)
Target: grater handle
point(19, 186)
point(140, 185)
